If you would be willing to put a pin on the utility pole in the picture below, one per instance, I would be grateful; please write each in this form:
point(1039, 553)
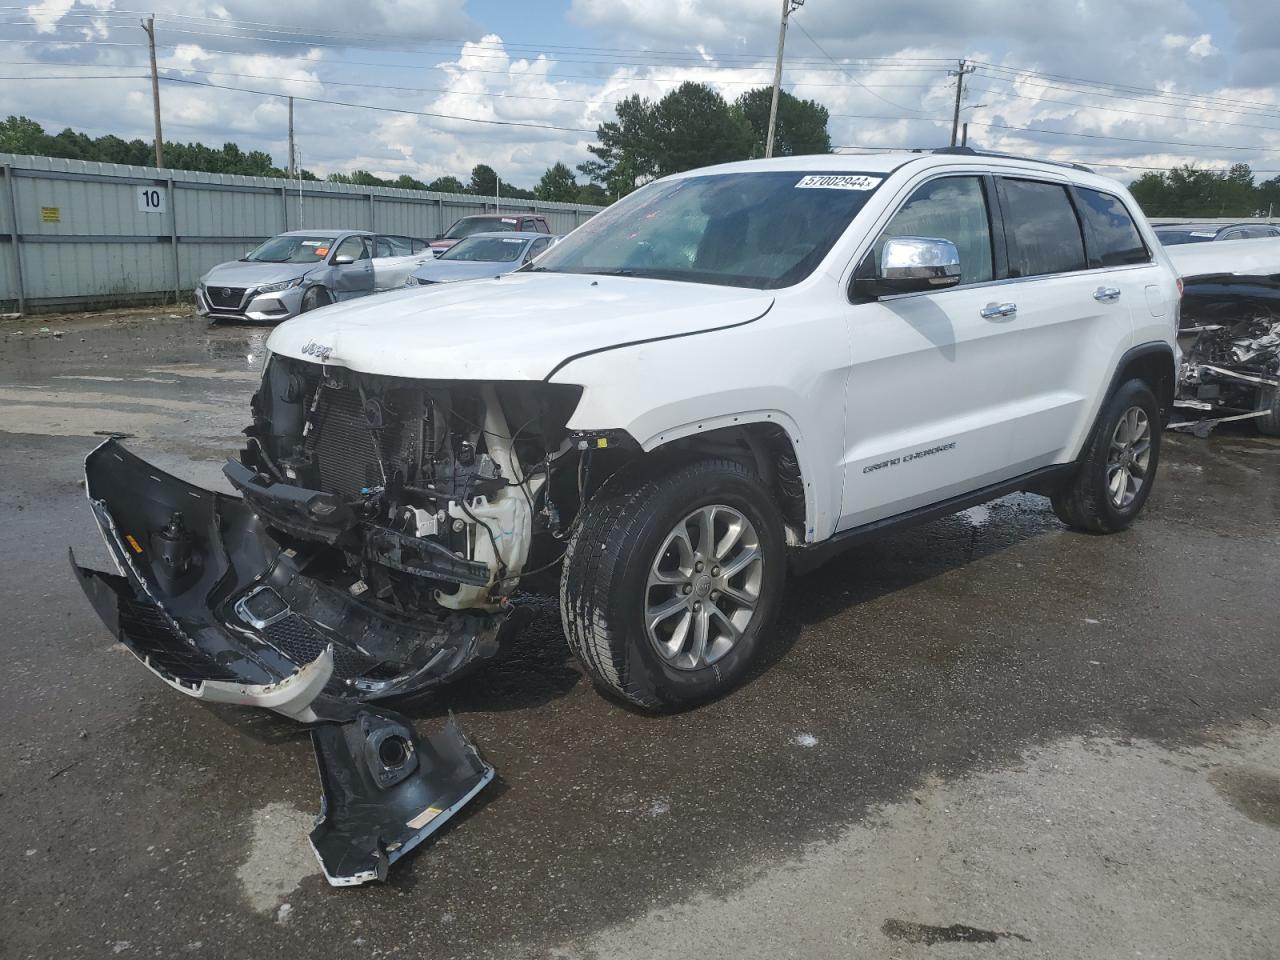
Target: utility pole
point(149, 25)
point(788, 7)
point(497, 194)
point(955, 117)
point(964, 134)
point(292, 165)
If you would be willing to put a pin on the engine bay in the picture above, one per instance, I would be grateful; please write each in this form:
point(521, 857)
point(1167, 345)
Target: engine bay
point(428, 494)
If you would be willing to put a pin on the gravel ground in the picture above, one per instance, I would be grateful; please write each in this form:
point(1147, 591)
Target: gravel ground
point(985, 736)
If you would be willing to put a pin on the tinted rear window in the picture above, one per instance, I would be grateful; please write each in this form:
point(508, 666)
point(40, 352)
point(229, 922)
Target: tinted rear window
point(1114, 237)
point(1041, 229)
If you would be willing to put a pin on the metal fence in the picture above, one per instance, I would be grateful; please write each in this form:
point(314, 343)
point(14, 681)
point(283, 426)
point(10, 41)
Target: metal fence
point(74, 232)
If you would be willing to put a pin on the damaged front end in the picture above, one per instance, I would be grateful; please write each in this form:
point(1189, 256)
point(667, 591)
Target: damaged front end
point(381, 526)
point(1231, 352)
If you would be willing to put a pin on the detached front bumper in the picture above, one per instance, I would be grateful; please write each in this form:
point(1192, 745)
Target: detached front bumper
point(215, 606)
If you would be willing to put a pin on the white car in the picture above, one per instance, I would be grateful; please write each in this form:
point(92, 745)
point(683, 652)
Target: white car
point(729, 371)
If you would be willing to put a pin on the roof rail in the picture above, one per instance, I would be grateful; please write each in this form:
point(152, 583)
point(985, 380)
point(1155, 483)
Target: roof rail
point(971, 152)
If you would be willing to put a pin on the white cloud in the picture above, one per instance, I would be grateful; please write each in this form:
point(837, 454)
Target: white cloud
point(1146, 43)
point(1202, 47)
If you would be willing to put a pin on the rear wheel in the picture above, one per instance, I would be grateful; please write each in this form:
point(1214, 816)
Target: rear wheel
point(1118, 466)
point(672, 580)
point(1269, 423)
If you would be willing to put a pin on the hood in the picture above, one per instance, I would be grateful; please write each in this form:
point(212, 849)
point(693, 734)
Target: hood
point(445, 271)
point(242, 273)
point(519, 327)
point(441, 244)
point(1258, 257)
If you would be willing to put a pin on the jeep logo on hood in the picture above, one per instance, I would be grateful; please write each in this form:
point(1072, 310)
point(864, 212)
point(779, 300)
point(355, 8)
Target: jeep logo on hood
point(317, 350)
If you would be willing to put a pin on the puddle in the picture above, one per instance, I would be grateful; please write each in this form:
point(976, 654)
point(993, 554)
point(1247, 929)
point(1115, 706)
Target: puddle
point(1253, 791)
point(280, 858)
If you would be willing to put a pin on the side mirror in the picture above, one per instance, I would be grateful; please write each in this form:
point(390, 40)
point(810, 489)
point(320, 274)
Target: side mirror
point(342, 260)
point(913, 264)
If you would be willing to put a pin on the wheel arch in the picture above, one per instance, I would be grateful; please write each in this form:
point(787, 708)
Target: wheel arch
point(768, 441)
point(1154, 364)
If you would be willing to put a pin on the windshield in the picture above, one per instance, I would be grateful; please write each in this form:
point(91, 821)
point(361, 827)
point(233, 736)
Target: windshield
point(486, 249)
point(293, 249)
point(764, 230)
point(469, 225)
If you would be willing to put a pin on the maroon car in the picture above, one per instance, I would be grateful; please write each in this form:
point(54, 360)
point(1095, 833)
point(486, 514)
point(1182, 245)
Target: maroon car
point(489, 223)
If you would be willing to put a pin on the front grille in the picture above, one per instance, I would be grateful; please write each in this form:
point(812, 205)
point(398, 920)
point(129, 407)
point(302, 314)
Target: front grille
point(343, 443)
point(302, 643)
point(145, 631)
point(224, 298)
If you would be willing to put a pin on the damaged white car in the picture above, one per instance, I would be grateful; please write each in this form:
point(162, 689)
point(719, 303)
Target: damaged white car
point(730, 371)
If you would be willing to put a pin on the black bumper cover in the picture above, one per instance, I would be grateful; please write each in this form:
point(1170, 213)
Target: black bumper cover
point(215, 606)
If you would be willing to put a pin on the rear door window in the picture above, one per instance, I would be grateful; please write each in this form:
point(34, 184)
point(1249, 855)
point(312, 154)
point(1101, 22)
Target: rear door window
point(1113, 236)
point(951, 208)
point(1040, 228)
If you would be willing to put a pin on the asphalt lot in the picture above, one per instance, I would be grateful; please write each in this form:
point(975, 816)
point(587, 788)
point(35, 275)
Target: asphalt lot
point(986, 736)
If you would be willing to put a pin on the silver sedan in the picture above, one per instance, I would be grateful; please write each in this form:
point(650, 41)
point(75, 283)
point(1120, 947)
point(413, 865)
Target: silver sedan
point(304, 269)
point(482, 255)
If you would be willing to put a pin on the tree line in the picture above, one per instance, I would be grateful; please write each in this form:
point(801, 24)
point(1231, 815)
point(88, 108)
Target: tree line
point(1189, 192)
point(691, 126)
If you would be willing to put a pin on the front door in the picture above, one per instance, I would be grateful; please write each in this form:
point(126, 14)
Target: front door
point(935, 379)
point(353, 278)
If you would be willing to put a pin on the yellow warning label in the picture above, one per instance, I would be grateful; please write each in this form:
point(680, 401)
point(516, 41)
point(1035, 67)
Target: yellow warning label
point(137, 548)
point(425, 817)
point(50, 214)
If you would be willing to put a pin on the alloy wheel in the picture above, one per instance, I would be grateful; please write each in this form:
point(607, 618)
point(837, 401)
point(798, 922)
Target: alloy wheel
point(1129, 457)
point(703, 587)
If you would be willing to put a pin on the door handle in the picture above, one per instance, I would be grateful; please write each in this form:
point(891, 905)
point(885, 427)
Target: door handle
point(993, 310)
point(1107, 294)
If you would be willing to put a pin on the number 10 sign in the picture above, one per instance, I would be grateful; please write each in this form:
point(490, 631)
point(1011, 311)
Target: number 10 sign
point(151, 199)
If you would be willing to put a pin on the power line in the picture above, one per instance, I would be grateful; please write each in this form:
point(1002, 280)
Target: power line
point(1069, 133)
point(725, 62)
point(1139, 113)
point(303, 38)
point(896, 106)
point(81, 76)
point(1103, 136)
point(504, 73)
point(1132, 97)
point(1143, 91)
point(370, 106)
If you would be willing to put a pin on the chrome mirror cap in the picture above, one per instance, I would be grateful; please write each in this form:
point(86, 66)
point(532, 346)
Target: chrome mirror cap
point(921, 262)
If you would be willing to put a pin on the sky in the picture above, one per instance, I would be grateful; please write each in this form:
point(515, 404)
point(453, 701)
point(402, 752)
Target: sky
point(1124, 85)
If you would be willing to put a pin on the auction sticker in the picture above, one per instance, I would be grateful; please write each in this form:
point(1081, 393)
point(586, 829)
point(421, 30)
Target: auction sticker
point(835, 181)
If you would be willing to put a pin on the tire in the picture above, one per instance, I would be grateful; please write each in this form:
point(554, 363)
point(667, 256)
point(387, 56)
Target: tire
point(1090, 502)
point(314, 298)
point(607, 588)
point(1269, 400)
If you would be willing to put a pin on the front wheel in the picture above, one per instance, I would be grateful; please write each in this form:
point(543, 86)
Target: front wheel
point(1118, 467)
point(314, 298)
point(671, 582)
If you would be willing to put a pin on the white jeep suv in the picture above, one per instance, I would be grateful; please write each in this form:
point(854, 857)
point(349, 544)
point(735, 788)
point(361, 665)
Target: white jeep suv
point(731, 371)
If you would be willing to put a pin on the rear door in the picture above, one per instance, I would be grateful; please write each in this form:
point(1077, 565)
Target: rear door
point(934, 384)
point(1073, 315)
